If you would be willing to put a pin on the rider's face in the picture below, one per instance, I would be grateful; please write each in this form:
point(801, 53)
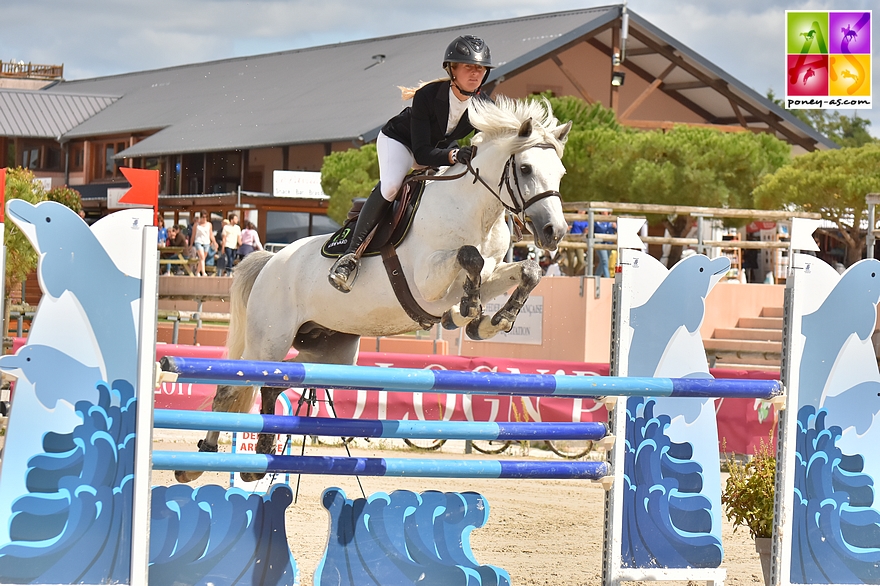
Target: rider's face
point(468, 76)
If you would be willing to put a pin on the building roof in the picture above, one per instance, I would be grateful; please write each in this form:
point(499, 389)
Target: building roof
point(30, 114)
point(346, 91)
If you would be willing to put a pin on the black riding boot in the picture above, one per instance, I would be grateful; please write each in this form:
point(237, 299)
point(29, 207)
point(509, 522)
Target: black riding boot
point(344, 271)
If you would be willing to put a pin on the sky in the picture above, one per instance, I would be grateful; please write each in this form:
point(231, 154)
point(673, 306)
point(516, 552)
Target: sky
point(93, 38)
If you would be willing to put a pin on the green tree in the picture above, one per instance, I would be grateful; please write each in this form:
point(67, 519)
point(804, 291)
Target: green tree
point(847, 131)
point(66, 196)
point(346, 175)
point(833, 183)
point(687, 166)
point(21, 258)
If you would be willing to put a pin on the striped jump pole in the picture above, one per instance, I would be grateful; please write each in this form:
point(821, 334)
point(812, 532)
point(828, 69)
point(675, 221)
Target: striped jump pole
point(296, 374)
point(409, 467)
point(375, 428)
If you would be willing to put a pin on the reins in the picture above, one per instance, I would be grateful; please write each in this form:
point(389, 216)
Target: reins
point(518, 200)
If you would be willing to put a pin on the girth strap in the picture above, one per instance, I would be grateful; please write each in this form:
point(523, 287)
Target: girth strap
point(401, 289)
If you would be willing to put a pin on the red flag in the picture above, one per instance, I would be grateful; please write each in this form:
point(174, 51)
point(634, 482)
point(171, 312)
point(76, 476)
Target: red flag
point(144, 188)
point(2, 195)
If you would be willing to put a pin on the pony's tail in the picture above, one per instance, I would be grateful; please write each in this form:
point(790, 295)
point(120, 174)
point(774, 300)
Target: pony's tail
point(243, 282)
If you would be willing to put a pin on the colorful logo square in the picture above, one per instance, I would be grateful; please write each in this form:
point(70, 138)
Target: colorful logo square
point(850, 75)
point(849, 32)
point(807, 75)
point(807, 32)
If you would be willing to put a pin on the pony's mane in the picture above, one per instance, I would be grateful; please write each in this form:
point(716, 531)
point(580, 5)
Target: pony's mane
point(502, 120)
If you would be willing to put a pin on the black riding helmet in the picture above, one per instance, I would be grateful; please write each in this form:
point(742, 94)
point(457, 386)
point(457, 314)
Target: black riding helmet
point(471, 50)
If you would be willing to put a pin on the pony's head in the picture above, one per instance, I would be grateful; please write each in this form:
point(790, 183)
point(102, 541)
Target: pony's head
point(531, 139)
point(521, 123)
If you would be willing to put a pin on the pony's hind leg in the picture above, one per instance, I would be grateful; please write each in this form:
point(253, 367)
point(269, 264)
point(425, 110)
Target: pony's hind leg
point(265, 441)
point(529, 275)
point(313, 344)
point(226, 399)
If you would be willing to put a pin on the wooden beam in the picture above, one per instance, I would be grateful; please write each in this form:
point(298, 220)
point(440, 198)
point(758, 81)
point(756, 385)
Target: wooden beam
point(737, 113)
point(632, 67)
point(721, 87)
point(684, 85)
point(640, 51)
point(648, 91)
point(615, 49)
point(581, 89)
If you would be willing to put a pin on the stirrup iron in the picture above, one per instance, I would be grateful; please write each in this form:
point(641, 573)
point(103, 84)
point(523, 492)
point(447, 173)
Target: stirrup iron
point(344, 272)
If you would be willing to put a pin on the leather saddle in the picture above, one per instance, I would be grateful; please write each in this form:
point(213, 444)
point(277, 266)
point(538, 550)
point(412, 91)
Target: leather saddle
point(392, 229)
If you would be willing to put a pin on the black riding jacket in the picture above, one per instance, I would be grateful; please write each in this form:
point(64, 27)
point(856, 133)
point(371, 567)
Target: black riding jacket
point(422, 126)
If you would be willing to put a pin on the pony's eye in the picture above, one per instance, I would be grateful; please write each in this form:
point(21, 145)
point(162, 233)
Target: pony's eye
point(525, 169)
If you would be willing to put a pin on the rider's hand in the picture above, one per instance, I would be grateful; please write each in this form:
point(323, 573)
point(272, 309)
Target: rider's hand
point(464, 155)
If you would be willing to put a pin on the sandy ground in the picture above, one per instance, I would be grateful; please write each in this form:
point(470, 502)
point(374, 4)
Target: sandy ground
point(543, 532)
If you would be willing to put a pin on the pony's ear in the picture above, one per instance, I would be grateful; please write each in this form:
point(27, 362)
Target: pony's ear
point(526, 129)
point(562, 132)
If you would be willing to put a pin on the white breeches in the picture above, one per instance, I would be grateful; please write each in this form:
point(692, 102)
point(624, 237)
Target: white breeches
point(395, 161)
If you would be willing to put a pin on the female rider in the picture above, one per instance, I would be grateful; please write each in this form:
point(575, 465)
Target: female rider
point(422, 135)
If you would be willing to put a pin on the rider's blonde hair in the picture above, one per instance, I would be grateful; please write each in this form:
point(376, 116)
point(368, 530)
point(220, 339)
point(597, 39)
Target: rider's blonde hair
point(407, 93)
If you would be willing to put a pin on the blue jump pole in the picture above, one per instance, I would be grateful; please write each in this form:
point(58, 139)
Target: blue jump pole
point(410, 467)
point(295, 374)
point(373, 428)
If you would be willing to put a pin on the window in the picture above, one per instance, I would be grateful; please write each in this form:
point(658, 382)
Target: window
point(285, 227)
point(106, 167)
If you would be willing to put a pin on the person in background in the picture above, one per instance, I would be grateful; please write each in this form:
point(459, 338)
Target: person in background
point(230, 242)
point(250, 240)
point(203, 241)
point(163, 232)
point(176, 238)
point(600, 227)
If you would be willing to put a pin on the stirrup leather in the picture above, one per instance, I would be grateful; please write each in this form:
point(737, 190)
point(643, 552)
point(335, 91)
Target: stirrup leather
point(344, 272)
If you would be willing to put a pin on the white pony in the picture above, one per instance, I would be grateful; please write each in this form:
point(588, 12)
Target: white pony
point(452, 259)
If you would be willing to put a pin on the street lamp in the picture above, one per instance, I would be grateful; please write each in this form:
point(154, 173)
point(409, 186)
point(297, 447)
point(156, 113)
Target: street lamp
point(617, 78)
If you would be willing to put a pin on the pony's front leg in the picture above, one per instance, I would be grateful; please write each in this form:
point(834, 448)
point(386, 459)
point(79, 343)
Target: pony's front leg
point(526, 274)
point(226, 399)
point(470, 307)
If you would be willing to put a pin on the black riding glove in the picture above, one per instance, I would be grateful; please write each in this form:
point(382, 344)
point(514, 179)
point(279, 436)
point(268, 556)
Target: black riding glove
point(464, 155)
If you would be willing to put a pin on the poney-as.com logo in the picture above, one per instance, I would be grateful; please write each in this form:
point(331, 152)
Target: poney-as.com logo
point(828, 59)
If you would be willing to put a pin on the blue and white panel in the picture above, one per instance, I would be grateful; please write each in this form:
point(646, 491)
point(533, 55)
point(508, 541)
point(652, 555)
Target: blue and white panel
point(66, 482)
point(830, 505)
point(671, 487)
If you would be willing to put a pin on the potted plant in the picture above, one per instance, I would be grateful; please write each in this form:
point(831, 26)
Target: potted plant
point(748, 498)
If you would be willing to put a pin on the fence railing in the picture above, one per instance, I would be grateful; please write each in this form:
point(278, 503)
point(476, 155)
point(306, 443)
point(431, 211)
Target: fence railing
point(30, 70)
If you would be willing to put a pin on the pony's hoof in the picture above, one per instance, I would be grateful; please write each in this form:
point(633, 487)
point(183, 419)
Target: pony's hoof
point(251, 476)
point(473, 330)
point(186, 476)
point(470, 310)
point(447, 321)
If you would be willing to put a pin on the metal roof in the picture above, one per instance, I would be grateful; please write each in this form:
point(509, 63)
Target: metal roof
point(346, 91)
point(30, 114)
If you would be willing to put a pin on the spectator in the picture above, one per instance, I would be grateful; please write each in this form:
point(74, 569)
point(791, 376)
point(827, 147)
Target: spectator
point(203, 241)
point(231, 240)
point(163, 232)
point(175, 238)
point(250, 240)
point(603, 228)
